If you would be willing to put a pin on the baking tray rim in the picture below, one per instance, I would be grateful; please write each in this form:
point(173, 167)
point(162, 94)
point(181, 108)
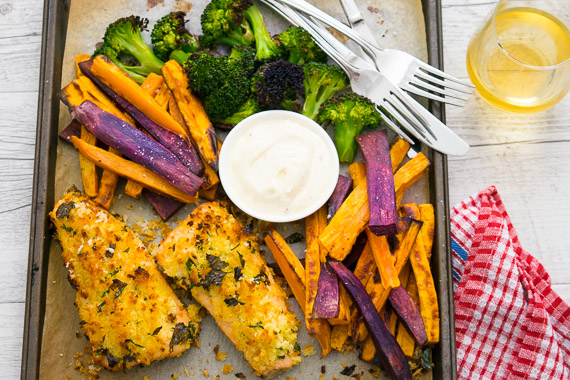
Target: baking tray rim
point(53, 42)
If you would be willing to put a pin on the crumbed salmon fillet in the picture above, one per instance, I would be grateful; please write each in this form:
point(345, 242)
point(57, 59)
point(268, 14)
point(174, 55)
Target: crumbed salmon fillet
point(128, 311)
point(210, 254)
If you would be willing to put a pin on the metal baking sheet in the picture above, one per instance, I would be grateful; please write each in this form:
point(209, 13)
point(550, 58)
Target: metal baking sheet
point(55, 24)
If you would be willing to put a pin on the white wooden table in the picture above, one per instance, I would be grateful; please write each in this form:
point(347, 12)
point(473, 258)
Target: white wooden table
point(522, 155)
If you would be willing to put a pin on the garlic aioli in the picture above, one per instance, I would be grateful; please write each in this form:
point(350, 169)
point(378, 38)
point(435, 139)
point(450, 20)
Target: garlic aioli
point(279, 168)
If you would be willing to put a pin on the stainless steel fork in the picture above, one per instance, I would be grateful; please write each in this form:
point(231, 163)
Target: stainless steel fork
point(398, 109)
point(403, 69)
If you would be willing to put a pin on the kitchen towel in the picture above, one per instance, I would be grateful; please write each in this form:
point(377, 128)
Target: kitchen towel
point(509, 323)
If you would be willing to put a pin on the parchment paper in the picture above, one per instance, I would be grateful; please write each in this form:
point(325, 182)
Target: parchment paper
point(396, 23)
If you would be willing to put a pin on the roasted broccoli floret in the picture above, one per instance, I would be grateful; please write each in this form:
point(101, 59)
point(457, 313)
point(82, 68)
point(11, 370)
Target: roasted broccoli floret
point(222, 81)
point(321, 82)
point(266, 48)
point(124, 45)
point(250, 107)
point(223, 22)
point(278, 84)
point(171, 39)
point(206, 72)
point(349, 113)
point(299, 47)
point(225, 100)
point(242, 58)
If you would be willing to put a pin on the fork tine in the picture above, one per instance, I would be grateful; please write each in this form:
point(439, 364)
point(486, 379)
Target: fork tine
point(439, 82)
point(435, 71)
point(417, 82)
point(404, 121)
point(407, 105)
point(418, 91)
point(410, 104)
point(386, 119)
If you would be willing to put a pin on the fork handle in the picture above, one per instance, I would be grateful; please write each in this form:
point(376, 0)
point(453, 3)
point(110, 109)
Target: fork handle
point(351, 11)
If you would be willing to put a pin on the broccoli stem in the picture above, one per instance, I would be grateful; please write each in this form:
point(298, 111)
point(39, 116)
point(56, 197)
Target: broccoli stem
point(344, 136)
point(140, 50)
point(238, 36)
point(139, 78)
point(265, 46)
point(180, 56)
point(314, 100)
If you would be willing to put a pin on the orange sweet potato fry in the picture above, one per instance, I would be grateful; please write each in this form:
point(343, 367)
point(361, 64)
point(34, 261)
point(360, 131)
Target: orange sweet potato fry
point(402, 253)
point(353, 215)
point(133, 189)
point(80, 58)
point(107, 186)
point(126, 87)
point(429, 308)
point(163, 96)
point(398, 152)
point(368, 350)
point(323, 333)
point(152, 84)
point(383, 258)
point(294, 273)
point(349, 221)
point(427, 216)
point(175, 112)
point(289, 264)
point(130, 170)
point(408, 174)
point(365, 266)
point(424, 280)
point(403, 337)
point(339, 337)
point(411, 210)
point(193, 113)
point(314, 224)
point(357, 171)
point(89, 175)
point(209, 194)
point(210, 177)
point(82, 88)
point(360, 331)
point(74, 94)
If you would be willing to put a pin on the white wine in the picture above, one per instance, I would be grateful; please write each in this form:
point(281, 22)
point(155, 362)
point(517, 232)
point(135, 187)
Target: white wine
point(521, 68)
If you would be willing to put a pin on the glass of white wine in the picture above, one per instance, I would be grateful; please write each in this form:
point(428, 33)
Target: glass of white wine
point(519, 60)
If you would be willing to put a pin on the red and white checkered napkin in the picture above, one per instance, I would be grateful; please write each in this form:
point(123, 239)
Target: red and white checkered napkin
point(509, 323)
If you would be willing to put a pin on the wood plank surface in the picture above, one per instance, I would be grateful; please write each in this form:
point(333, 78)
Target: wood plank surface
point(11, 325)
point(525, 156)
point(20, 40)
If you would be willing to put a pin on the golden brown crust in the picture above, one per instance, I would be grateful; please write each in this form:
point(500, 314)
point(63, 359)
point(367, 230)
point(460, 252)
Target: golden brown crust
point(210, 254)
point(128, 311)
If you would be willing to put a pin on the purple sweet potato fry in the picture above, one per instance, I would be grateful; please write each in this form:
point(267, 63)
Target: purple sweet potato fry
point(352, 258)
point(136, 146)
point(387, 349)
point(73, 129)
point(409, 314)
point(164, 206)
point(380, 179)
point(327, 300)
point(185, 152)
point(341, 191)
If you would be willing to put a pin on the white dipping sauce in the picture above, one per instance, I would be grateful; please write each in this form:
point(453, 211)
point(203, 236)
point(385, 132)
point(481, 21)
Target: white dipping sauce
point(278, 168)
